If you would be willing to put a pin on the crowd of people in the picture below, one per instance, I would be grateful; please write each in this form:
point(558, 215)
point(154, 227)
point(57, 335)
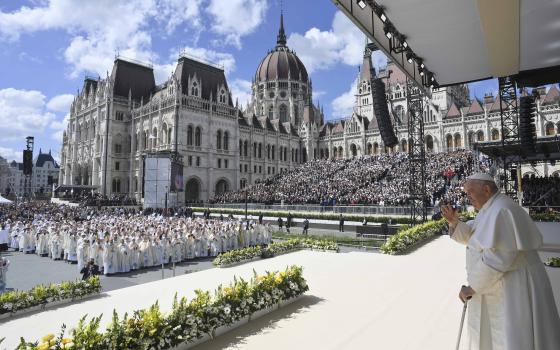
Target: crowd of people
point(541, 191)
point(368, 180)
point(119, 240)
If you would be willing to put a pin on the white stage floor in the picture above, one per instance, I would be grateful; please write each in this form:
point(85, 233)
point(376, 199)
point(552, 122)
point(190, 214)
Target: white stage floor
point(356, 301)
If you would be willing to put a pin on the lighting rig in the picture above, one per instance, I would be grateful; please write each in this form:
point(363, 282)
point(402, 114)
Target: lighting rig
point(398, 43)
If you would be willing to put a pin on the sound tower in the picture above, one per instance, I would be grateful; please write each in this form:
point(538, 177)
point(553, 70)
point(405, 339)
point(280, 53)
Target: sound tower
point(382, 113)
point(27, 162)
point(527, 129)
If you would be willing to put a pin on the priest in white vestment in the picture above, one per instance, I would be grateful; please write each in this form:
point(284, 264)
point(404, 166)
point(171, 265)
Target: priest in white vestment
point(512, 306)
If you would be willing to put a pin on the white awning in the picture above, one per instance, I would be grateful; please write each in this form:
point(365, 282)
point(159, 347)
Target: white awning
point(467, 40)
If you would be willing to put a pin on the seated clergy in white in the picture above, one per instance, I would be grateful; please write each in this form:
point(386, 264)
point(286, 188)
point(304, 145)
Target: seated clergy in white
point(512, 305)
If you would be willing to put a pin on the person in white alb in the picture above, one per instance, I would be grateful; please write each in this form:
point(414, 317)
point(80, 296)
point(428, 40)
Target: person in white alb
point(511, 302)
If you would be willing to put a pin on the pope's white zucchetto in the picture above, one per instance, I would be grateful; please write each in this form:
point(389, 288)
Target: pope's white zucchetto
point(481, 177)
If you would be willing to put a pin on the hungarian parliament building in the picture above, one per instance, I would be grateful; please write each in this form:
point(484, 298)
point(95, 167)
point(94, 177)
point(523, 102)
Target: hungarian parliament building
point(115, 122)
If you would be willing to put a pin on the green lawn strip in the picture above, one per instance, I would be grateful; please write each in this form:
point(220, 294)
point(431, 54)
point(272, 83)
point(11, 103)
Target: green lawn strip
point(339, 240)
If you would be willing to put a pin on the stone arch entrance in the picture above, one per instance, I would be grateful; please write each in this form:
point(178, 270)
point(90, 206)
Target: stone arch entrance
point(192, 190)
point(221, 186)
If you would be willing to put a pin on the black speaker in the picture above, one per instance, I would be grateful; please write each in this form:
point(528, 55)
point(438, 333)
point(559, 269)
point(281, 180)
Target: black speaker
point(527, 129)
point(382, 113)
point(27, 162)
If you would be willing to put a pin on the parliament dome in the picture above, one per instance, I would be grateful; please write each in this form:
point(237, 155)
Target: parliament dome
point(281, 63)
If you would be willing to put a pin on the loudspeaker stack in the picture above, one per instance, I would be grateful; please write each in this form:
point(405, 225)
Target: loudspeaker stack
point(382, 113)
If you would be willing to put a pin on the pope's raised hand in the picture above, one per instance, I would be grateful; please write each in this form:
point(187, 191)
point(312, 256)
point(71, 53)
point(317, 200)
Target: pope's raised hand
point(450, 215)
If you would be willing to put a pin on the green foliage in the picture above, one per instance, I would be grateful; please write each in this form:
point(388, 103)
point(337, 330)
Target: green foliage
point(553, 261)
point(187, 321)
point(406, 238)
point(13, 301)
point(310, 215)
point(337, 239)
point(249, 253)
point(549, 216)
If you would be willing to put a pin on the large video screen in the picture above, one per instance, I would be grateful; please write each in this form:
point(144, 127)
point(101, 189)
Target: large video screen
point(176, 177)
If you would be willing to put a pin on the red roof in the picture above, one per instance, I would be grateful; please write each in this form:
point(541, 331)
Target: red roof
point(453, 111)
point(552, 96)
point(475, 108)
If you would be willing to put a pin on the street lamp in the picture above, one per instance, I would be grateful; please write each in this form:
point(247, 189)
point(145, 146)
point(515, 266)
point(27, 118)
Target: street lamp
point(166, 187)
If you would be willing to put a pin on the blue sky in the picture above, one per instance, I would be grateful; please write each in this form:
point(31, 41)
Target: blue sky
point(48, 46)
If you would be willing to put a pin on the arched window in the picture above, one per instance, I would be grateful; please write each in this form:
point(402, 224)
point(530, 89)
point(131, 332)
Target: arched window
point(549, 129)
point(164, 134)
point(116, 185)
point(240, 147)
point(219, 139)
point(272, 152)
point(480, 136)
point(375, 148)
point(495, 135)
point(226, 140)
point(470, 138)
point(429, 143)
point(146, 139)
point(245, 148)
point(194, 89)
point(260, 150)
point(340, 152)
point(283, 113)
point(270, 112)
point(458, 141)
point(117, 141)
point(404, 145)
point(449, 141)
point(326, 153)
point(198, 137)
point(267, 151)
point(254, 150)
point(154, 138)
point(189, 135)
point(296, 112)
point(169, 133)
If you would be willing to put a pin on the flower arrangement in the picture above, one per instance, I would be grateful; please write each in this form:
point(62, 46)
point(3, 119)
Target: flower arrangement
point(250, 253)
point(550, 216)
point(553, 261)
point(406, 238)
point(186, 322)
point(13, 301)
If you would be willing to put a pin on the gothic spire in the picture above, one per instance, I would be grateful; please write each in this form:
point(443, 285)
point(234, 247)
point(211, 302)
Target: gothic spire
point(281, 39)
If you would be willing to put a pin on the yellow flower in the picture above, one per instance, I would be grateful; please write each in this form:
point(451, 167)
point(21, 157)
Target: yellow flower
point(47, 337)
point(43, 346)
point(69, 345)
point(278, 279)
point(66, 340)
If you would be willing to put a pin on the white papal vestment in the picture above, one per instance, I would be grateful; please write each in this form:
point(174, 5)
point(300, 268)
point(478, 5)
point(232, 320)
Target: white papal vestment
point(513, 308)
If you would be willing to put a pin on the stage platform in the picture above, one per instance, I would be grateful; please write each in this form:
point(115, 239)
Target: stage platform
point(356, 301)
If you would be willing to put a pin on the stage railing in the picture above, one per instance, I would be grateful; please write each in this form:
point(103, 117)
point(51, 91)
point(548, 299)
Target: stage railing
point(342, 209)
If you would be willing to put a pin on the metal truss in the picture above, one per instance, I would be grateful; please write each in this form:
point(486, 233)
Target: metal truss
point(27, 185)
point(416, 154)
point(509, 119)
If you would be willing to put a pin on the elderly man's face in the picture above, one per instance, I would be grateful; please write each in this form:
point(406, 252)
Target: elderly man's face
point(478, 193)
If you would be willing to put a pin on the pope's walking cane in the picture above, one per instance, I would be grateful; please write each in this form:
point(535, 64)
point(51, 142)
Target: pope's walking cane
point(462, 321)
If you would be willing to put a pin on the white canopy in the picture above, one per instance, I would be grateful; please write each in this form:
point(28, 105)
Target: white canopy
point(467, 40)
point(4, 201)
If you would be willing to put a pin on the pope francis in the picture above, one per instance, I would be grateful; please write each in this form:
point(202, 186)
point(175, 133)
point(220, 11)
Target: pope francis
point(511, 303)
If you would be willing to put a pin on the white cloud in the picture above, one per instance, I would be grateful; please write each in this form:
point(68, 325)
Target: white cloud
point(60, 103)
point(342, 105)
point(22, 112)
point(11, 154)
point(343, 43)
point(100, 29)
point(236, 18)
point(241, 90)
point(220, 58)
point(59, 126)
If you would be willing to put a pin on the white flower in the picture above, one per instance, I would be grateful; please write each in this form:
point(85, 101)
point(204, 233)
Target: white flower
point(227, 310)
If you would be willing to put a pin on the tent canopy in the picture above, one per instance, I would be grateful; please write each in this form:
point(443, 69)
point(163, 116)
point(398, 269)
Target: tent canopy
point(468, 40)
point(4, 201)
